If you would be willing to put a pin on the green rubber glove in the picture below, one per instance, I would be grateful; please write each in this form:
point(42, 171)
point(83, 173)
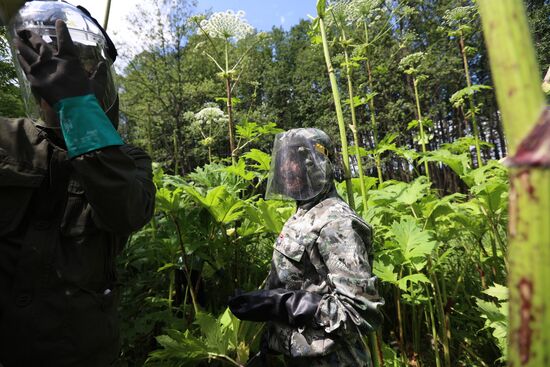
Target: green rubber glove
point(85, 126)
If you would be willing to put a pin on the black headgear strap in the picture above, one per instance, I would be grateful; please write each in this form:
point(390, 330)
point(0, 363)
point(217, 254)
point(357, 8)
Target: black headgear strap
point(111, 49)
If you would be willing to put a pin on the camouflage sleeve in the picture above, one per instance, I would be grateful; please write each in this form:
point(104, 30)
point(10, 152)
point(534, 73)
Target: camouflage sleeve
point(353, 302)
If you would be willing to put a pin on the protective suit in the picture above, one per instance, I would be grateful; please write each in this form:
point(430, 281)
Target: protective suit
point(71, 191)
point(320, 296)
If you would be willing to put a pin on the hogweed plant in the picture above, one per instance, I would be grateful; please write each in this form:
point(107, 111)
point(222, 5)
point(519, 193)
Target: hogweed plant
point(206, 121)
point(366, 13)
point(339, 19)
point(231, 27)
point(319, 26)
point(411, 65)
point(458, 23)
point(374, 18)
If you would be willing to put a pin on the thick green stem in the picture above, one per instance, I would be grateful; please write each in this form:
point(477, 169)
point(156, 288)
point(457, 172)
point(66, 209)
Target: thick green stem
point(376, 353)
point(371, 107)
point(149, 131)
point(434, 329)
point(354, 128)
point(187, 269)
point(339, 114)
point(420, 124)
point(471, 101)
point(521, 101)
point(171, 289)
point(400, 323)
point(442, 321)
point(229, 105)
point(176, 155)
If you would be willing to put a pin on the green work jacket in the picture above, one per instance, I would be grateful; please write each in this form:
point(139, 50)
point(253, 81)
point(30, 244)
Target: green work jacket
point(62, 223)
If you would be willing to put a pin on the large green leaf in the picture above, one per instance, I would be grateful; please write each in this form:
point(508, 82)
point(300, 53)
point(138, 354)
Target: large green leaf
point(247, 130)
point(169, 200)
point(239, 169)
point(459, 163)
point(498, 291)
point(414, 279)
point(458, 98)
point(400, 192)
point(385, 272)
point(215, 338)
point(492, 194)
point(414, 243)
point(182, 346)
point(496, 316)
point(273, 214)
point(224, 207)
point(263, 159)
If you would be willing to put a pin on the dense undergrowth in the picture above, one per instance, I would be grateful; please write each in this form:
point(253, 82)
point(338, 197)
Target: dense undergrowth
point(439, 260)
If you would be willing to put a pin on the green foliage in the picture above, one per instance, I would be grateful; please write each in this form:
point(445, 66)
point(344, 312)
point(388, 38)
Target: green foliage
point(437, 244)
point(223, 339)
point(11, 104)
point(496, 315)
point(413, 243)
point(458, 99)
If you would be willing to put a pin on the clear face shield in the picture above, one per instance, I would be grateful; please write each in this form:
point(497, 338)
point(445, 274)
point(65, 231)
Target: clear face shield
point(300, 167)
point(39, 17)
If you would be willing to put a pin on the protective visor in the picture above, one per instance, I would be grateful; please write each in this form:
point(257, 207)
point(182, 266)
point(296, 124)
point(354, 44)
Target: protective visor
point(39, 17)
point(300, 168)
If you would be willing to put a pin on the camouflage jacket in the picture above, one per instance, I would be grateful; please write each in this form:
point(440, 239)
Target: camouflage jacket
point(325, 247)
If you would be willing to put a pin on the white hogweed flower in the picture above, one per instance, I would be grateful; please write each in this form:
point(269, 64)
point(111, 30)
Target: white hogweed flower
point(210, 115)
point(352, 11)
point(227, 25)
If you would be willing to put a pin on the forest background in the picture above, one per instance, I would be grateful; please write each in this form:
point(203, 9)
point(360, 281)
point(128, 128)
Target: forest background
point(424, 133)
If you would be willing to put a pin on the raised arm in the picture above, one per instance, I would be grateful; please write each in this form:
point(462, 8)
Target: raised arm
point(118, 184)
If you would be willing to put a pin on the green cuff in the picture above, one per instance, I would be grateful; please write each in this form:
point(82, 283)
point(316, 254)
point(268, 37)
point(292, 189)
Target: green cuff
point(85, 126)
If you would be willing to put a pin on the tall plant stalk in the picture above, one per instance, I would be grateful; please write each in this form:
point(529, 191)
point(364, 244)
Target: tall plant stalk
point(227, 26)
point(420, 123)
point(175, 145)
point(371, 106)
point(527, 127)
point(337, 102)
point(470, 99)
point(349, 72)
point(442, 319)
point(229, 105)
point(434, 329)
point(187, 269)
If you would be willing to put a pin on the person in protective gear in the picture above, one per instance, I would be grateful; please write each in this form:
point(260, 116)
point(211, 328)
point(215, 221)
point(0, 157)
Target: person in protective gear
point(320, 296)
point(71, 191)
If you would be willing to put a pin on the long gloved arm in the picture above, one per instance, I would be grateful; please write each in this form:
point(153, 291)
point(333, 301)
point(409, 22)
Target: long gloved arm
point(294, 308)
point(117, 178)
point(57, 77)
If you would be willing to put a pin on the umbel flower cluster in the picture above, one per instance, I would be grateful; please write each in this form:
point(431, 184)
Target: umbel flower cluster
point(210, 115)
point(227, 24)
point(351, 11)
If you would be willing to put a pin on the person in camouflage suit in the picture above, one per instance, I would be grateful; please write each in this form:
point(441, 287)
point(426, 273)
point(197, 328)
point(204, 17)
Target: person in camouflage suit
point(320, 296)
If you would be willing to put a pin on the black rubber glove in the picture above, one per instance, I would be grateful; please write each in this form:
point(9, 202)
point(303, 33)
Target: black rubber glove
point(295, 308)
point(53, 75)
